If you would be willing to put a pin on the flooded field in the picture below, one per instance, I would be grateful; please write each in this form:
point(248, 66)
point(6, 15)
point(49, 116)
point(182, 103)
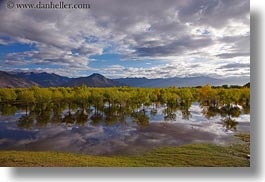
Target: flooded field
point(82, 131)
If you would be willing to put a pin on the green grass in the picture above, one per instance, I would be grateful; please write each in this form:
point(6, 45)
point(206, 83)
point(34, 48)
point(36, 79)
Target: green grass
point(183, 156)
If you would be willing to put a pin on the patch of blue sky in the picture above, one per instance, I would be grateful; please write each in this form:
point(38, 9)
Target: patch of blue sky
point(75, 52)
point(16, 47)
point(92, 39)
point(6, 38)
point(52, 66)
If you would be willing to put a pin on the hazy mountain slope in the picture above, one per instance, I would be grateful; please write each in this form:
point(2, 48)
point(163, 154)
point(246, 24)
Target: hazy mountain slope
point(97, 80)
point(94, 80)
point(182, 82)
point(45, 79)
point(13, 81)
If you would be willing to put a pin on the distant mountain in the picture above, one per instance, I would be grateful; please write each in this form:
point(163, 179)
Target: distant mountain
point(44, 79)
point(94, 80)
point(52, 80)
point(182, 82)
point(12, 81)
point(97, 80)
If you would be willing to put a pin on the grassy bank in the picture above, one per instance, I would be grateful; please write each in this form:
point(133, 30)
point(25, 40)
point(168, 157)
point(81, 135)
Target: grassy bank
point(187, 155)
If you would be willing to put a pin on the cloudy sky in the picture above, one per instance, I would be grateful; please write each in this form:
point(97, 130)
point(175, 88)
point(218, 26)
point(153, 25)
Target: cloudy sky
point(129, 38)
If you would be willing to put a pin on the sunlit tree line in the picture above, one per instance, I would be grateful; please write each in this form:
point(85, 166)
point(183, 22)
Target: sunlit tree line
point(114, 104)
point(126, 96)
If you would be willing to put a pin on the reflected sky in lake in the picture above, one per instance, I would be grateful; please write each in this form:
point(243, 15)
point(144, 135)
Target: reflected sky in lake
point(119, 137)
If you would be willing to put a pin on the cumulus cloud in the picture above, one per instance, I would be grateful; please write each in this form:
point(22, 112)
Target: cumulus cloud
point(175, 47)
point(208, 31)
point(169, 70)
point(215, 13)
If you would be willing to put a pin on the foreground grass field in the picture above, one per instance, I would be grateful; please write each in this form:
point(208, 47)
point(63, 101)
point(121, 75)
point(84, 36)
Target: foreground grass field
point(183, 156)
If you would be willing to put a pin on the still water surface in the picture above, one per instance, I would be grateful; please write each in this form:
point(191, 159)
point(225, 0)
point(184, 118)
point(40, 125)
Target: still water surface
point(126, 136)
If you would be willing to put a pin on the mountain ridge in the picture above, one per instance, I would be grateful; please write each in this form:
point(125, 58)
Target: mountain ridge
point(8, 80)
point(183, 82)
point(94, 80)
point(44, 79)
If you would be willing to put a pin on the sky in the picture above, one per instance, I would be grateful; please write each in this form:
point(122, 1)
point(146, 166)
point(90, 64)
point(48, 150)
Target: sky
point(125, 38)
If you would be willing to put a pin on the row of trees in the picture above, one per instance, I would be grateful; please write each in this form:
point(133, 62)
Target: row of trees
point(115, 104)
point(125, 96)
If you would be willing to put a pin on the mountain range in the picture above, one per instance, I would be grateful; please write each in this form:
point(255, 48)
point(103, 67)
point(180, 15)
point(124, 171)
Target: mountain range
point(10, 80)
point(183, 81)
point(94, 80)
point(43, 79)
point(28, 79)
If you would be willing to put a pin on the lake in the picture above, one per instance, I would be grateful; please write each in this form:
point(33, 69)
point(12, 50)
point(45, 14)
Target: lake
point(80, 131)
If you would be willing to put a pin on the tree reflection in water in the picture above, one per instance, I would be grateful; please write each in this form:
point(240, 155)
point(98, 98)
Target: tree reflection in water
point(56, 117)
point(81, 117)
point(169, 112)
point(7, 109)
point(40, 115)
point(26, 122)
point(230, 124)
point(141, 119)
point(227, 112)
point(44, 116)
point(96, 118)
